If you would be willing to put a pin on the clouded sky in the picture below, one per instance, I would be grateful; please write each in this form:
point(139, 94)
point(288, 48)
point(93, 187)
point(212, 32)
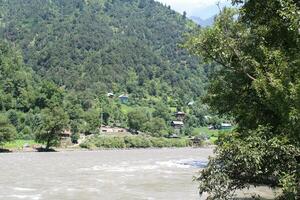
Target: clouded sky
point(199, 8)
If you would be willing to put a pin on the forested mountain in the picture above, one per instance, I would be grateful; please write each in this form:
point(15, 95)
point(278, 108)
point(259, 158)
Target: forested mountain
point(60, 58)
point(203, 22)
point(17, 83)
point(105, 45)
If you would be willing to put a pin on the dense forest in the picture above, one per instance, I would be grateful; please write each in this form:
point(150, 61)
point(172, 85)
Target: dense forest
point(101, 46)
point(60, 59)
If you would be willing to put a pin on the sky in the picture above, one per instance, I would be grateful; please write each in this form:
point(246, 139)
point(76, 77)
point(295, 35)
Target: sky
point(199, 8)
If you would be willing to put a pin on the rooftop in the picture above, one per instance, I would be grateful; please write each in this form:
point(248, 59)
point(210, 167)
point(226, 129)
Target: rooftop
point(226, 125)
point(123, 96)
point(180, 113)
point(177, 122)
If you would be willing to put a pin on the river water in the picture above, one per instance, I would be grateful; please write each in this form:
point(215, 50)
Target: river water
point(142, 174)
point(145, 174)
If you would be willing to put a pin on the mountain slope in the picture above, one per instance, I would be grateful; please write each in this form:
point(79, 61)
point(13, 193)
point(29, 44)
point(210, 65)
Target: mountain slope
point(105, 45)
point(17, 83)
point(203, 22)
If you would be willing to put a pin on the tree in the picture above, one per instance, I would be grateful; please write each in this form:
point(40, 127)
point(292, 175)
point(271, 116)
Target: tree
point(156, 126)
point(215, 121)
point(54, 122)
point(16, 80)
point(7, 130)
point(184, 14)
point(137, 119)
point(257, 48)
point(92, 121)
point(75, 126)
point(50, 95)
point(142, 52)
point(162, 111)
point(13, 117)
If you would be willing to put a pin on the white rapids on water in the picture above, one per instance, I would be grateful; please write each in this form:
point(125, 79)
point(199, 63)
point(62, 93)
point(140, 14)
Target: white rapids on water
point(142, 174)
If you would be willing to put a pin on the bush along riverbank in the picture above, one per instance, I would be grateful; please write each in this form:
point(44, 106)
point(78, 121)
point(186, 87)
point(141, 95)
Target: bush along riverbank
point(134, 141)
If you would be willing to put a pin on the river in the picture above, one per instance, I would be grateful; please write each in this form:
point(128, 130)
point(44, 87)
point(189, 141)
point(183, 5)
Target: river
point(143, 174)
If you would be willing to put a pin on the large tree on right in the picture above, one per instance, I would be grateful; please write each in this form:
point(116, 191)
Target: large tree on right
point(257, 49)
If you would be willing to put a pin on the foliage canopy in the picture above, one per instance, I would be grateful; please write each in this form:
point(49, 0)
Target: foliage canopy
point(258, 84)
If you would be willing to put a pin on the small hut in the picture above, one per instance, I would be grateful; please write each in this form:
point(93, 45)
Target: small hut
point(177, 124)
point(226, 126)
point(124, 98)
point(180, 116)
point(110, 95)
point(65, 138)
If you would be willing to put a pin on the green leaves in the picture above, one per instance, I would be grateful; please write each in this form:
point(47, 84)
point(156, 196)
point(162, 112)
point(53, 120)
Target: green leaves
point(257, 84)
point(7, 130)
point(252, 160)
point(53, 123)
point(137, 119)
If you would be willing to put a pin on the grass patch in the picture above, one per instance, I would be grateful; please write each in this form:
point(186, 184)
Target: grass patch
point(209, 132)
point(126, 109)
point(213, 140)
point(205, 130)
point(18, 144)
point(212, 135)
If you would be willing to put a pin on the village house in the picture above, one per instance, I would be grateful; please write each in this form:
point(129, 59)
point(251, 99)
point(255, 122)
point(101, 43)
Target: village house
point(123, 98)
point(66, 134)
point(180, 116)
point(65, 138)
point(226, 126)
point(196, 141)
point(110, 95)
point(177, 124)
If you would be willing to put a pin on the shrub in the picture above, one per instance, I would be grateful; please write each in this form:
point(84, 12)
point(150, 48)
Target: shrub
point(137, 142)
point(132, 141)
point(110, 142)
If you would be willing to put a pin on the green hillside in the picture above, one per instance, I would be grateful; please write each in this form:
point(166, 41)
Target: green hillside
point(60, 58)
point(109, 45)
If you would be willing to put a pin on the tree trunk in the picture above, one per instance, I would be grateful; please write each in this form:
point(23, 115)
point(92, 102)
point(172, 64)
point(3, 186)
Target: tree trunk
point(48, 144)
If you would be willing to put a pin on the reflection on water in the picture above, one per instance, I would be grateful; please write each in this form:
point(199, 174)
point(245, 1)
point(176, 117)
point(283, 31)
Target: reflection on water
point(126, 174)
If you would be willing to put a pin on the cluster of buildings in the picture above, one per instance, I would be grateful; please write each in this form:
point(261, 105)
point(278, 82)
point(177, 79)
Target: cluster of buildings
point(177, 124)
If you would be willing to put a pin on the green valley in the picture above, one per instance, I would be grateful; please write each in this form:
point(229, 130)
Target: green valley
point(74, 66)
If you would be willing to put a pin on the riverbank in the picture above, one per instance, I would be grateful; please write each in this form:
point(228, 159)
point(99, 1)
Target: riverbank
point(103, 142)
point(135, 141)
point(79, 149)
